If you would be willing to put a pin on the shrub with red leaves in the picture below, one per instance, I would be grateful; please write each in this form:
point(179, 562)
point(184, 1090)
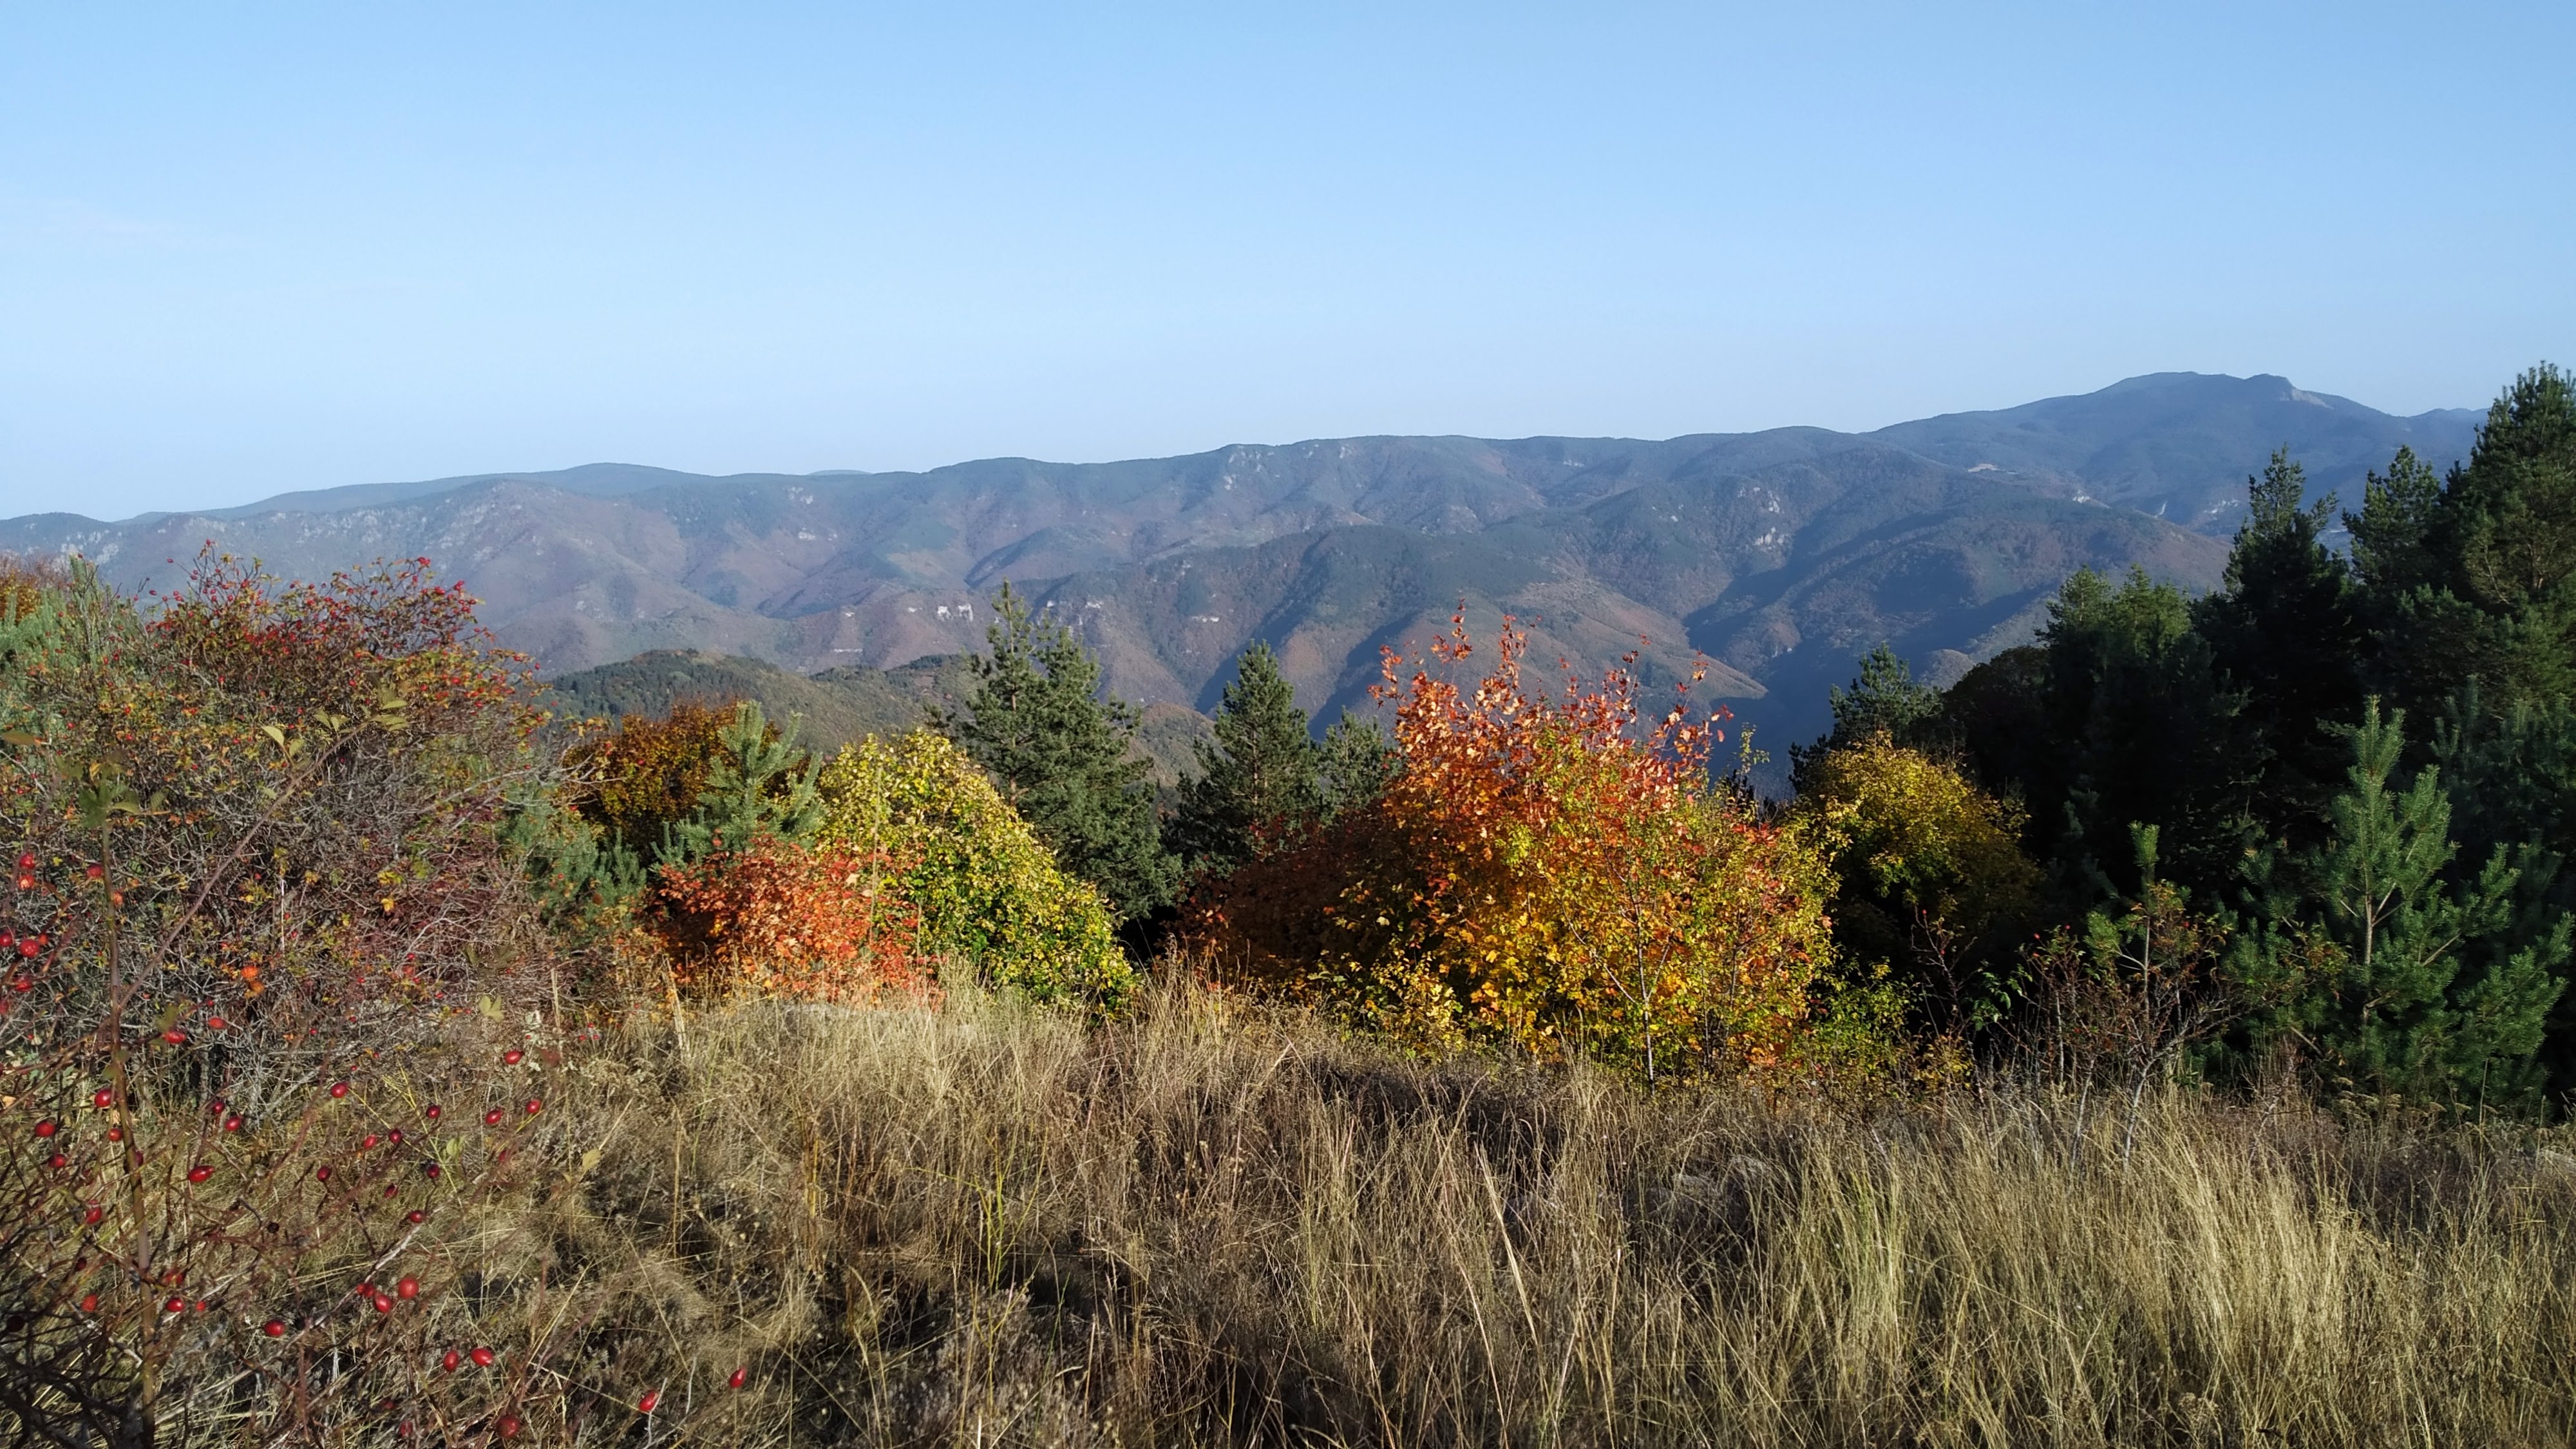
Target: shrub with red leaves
point(784, 920)
point(291, 795)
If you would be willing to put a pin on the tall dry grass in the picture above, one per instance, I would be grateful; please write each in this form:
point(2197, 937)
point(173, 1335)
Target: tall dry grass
point(1213, 1225)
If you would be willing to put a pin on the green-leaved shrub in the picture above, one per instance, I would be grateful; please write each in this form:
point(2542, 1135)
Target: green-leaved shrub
point(989, 893)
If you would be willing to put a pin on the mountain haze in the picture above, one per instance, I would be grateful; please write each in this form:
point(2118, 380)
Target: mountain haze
point(1780, 554)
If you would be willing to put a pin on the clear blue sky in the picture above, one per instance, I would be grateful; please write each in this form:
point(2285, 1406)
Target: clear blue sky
point(252, 248)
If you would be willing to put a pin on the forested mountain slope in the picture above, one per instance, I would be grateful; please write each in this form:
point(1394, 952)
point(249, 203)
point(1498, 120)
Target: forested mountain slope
point(1780, 554)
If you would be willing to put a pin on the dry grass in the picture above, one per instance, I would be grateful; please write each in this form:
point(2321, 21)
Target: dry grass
point(1212, 1225)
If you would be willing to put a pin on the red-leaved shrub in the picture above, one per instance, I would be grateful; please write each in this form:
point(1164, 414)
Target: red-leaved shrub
point(784, 920)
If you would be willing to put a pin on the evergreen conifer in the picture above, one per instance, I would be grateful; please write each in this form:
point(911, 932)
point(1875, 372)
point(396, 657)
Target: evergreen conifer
point(1258, 781)
point(760, 785)
point(2286, 637)
point(1063, 756)
point(2419, 1007)
point(1883, 702)
point(2143, 732)
point(2489, 593)
point(1356, 765)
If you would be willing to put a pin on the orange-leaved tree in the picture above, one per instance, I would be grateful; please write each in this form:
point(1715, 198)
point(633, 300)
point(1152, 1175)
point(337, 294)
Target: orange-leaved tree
point(1554, 871)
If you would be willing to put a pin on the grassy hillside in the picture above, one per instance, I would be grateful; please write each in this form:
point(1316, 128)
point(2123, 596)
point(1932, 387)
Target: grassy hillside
point(1212, 1226)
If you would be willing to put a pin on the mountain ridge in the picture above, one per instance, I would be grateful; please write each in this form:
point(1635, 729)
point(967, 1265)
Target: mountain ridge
point(1778, 554)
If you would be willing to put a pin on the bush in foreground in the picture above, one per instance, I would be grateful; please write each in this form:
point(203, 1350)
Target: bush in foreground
point(1545, 872)
point(989, 895)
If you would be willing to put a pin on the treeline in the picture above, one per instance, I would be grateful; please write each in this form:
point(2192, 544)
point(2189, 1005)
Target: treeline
point(2312, 824)
point(2347, 777)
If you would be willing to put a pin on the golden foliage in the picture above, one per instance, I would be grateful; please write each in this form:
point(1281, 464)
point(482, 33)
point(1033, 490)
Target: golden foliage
point(1542, 874)
point(988, 892)
point(1933, 882)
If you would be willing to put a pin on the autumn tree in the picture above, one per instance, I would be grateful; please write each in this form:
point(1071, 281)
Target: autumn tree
point(1931, 879)
point(1551, 871)
point(991, 899)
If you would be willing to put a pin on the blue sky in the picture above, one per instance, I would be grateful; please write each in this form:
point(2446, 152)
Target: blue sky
point(251, 248)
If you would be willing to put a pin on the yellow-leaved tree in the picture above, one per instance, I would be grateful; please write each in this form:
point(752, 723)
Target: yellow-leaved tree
point(1550, 871)
point(988, 893)
point(1933, 882)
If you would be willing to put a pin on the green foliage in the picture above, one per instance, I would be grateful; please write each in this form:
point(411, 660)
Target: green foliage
point(2414, 949)
point(1356, 764)
point(2420, 1006)
point(988, 892)
point(759, 786)
point(2392, 535)
point(2118, 716)
point(1258, 783)
point(2482, 583)
point(1063, 757)
point(1883, 700)
point(2512, 781)
point(2124, 1001)
point(2285, 634)
point(586, 883)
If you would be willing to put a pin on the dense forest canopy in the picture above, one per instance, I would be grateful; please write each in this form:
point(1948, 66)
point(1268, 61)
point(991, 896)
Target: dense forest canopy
point(2359, 765)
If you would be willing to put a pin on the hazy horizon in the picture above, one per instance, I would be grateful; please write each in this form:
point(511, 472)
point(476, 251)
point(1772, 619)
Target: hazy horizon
point(827, 469)
point(302, 247)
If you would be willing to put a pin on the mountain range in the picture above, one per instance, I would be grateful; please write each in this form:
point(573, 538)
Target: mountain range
point(1780, 555)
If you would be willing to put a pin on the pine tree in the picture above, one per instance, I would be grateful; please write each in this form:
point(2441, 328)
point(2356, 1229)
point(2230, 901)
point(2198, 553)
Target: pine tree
point(1356, 765)
point(2420, 1007)
point(760, 786)
point(1063, 756)
point(2286, 636)
point(2141, 730)
point(1257, 782)
point(2392, 535)
point(2489, 593)
point(1883, 702)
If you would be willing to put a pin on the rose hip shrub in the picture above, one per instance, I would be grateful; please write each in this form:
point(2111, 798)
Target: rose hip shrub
point(1554, 872)
point(290, 795)
point(259, 919)
point(173, 1263)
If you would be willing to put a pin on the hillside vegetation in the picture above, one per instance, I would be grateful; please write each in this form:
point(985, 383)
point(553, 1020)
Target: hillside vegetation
point(836, 706)
point(2156, 1036)
point(1780, 555)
